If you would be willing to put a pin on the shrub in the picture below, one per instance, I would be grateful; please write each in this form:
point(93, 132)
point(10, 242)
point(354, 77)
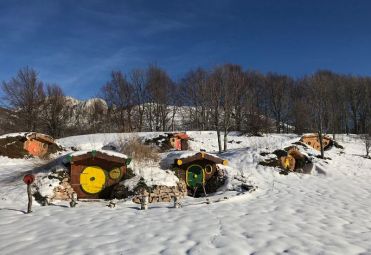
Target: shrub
point(138, 151)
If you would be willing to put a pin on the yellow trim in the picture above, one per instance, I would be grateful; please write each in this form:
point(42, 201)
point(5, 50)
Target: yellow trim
point(115, 173)
point(210, 170)
point(203, 173)
point(179, 162)
point(286, 164)
point(225, 162)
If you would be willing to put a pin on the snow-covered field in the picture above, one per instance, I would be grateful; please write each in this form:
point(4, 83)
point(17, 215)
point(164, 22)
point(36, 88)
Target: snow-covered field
point(327, 212)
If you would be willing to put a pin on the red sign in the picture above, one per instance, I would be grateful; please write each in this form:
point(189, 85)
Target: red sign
point(28, 179)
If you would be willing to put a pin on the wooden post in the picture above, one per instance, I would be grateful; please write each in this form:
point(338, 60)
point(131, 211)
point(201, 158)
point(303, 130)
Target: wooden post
point(320, 137)
point(111, 204)
point(144, 203)
point(194, 191)
point(208, 201)
point(29, 207)
point(203, 186)
point(73, 200)
point(28, 179)
point(176, 202)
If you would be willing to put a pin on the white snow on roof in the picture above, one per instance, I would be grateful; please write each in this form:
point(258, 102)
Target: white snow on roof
point(169, 157)
point(168, 160)
point(14, 135)
point(152, 175)
point(106, 152)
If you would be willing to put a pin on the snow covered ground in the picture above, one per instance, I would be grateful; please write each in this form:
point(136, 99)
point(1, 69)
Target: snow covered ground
point(327, 212)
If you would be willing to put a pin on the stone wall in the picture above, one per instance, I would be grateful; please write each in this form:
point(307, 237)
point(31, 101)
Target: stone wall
point(64, 191)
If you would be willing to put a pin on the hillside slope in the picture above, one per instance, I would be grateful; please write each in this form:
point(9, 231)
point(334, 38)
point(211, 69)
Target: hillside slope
point(323, 213)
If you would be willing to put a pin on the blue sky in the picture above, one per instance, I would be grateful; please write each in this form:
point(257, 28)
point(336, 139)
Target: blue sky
point(76, 44)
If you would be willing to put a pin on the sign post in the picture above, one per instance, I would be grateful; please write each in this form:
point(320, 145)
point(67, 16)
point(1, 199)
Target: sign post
point(29, 179)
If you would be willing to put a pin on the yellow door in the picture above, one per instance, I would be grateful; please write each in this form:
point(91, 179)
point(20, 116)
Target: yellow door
point(92, 179)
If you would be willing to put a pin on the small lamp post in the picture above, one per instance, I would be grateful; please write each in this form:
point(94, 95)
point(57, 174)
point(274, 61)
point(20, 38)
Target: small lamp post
point(28, 179)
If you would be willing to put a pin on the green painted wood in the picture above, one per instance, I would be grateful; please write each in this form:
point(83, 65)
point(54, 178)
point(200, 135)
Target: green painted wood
point(195, 176)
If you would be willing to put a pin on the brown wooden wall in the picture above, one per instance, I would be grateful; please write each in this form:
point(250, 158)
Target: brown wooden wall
point(36, 148)
point(78, 167)
point(183, 168)
point(313, 141)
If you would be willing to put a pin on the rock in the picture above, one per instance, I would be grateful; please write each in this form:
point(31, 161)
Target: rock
point(215, 182)
point(111, 204)
point(120, 192)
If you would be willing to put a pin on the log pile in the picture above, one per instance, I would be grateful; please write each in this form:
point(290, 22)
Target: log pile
point(163, 193)
point(64, 191)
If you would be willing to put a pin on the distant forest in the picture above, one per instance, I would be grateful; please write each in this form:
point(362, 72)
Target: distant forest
point(225, 98)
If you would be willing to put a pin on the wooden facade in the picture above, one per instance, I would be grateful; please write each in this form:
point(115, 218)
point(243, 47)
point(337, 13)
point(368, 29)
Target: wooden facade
point(313, 141)
point(179, 141)
point(37, 144)
point(94, 173)
point(196, 170)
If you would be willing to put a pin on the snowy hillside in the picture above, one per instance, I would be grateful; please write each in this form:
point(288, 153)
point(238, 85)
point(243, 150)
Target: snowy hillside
point(326, 212)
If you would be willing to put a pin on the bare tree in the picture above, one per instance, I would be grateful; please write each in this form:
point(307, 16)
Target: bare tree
point(224, 98)
point(336, 97)
point(24, 93)
point(367, 139)
point(233, 84)
point(118, 94)
point(255, 104)
point(241, 98)
point(138, 81)
point(319, 98)
point(54, 112)
point(194, 89)
point(159, 88)
point(175, 103)
point(364, 108)
point(278, 89)
point(354, 99)
point(216, 84)
point(96, 116)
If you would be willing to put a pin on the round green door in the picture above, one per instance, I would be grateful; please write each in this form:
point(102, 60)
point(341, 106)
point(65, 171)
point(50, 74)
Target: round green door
point(195, 176)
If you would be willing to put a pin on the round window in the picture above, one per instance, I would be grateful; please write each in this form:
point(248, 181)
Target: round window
point(208, 169)
point(92, 179)
point(115, 173)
